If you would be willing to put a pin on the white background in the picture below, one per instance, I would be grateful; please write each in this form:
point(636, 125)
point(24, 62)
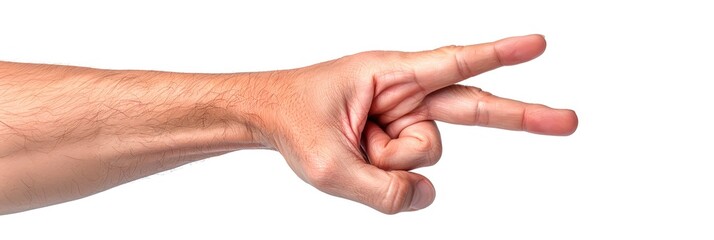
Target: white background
point(640, 165)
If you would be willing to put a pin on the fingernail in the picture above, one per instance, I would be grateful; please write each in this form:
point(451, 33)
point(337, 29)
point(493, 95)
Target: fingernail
point(423, 195)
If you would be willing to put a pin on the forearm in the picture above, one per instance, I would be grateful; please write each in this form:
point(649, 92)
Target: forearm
point(68, 132)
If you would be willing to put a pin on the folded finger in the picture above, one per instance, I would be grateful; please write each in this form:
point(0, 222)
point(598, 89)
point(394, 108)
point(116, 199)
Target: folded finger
point(417, 145)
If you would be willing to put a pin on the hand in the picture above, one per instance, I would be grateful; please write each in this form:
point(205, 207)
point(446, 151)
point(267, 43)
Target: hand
point(355, 126)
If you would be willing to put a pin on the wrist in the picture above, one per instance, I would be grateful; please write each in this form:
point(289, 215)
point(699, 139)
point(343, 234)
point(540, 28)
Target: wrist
point(262, 102)
point(252, 101)
point(230, 111)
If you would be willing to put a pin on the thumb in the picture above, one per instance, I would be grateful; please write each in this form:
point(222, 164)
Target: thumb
point(389, 192)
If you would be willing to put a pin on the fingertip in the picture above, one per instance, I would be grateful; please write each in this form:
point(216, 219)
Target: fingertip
point(515, 50)
point(573, 121)
point(557, 122)
point(423, 196)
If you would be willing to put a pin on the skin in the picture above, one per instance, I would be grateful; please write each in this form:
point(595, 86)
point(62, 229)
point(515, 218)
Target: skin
point(352, 127)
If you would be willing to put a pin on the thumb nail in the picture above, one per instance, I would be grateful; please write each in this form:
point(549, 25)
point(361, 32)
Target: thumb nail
point(423, 195)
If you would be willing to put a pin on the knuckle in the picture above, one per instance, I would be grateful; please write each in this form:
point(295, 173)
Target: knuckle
point(449, 49)
point(431, 149)
point(478, 92)
point(425, 145)
point(321, 174)
point(368, 57)
point(395, 197)
point(480, 101)
point(434, 155)
point(364, 62)
point(462, 66)
point(381, 57)
point(370, 54)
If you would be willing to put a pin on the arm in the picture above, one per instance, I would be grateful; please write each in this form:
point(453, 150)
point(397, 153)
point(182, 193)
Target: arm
point(68, 132)
point(352, 127)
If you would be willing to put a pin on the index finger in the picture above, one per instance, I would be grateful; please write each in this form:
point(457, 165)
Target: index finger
point(442, 67)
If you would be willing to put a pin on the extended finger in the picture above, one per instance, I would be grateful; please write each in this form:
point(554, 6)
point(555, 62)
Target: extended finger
point(442, 67)
point(401, 85)
point(470, 106)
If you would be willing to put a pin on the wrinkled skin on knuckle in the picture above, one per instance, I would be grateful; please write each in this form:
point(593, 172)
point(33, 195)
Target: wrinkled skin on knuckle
point(453, 51)
point(430, 147)
point(424, 145)
point(396, 195)
point(433, 151)
point(464, 90)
